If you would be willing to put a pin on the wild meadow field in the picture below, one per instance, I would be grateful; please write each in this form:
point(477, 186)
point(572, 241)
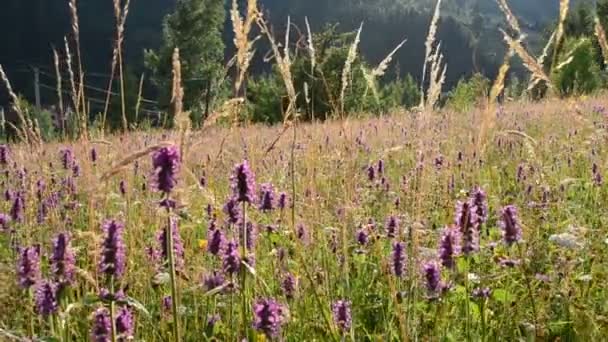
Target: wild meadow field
point(395, 228)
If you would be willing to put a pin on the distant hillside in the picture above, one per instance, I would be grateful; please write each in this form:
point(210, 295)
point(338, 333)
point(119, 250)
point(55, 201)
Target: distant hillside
point(30, 28)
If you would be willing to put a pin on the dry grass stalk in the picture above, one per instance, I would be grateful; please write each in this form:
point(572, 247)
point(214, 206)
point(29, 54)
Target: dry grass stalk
point(242, 28)
point(437, 77)
point(181, 118)
point(564, 6)
point(430, 41)
point(80, 106)
point(350, 59)
point(284, 65)
point(601, 38)
point(59, 90)
point(139, 97)
point(543, 57)
point(511, 19)
point(68, 61)
point(529, 62)
point(21, 132)
point(116, 168)
point(379, 71)
point(310, 46)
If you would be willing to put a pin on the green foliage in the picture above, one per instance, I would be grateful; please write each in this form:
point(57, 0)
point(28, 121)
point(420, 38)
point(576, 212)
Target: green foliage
point(43, 118)
point(400, 93)
point(265, 101)
point(195, 27)
point(577, 71)
point(468, 93)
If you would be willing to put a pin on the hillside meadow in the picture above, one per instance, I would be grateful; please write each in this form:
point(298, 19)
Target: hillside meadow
point(382, 229)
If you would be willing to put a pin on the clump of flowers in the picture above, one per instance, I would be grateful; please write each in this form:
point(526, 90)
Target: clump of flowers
point(467, 223)
point(166, 164)
point(449, 246)
point(28, 266)
point(112, 260)
point(46, 298)
point(431, 272)
point(511, 230)
point(267, 197)
point(398, 259)
point(269, 316)
point(243, 183)
point(62, 260)
point(341, 311)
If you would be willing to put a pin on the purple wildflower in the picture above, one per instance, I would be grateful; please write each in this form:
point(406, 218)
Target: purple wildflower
point(480, 204)
point(243, 183)
point(269, 316)
point(122, 187)
point(28, 266)
point(18, 207)
point(289, 285)
point(466, 221)
point(267, 200)
point(251, 235)
point(482, 293)
point(166, 164)
point(4, 155)
point(233, 211)
point(5, 220)
point(213, 280)
point(341, 310)
point(216, 241)
point(101, 329)
point(67, 158)
point(392, 226)
point(112, 261)
point(46, 298)
point(449, 246)
point(282, 202)
point(178, 246)
point(431, 272)
point(363, 236)
point(232, 258)
point(510, 225)
point(380, 167)
point(371, 173)
point(62, 260)
point(40, 186)
point(167, 303)
point(302, 234)
point(398, 259)
point(124, 324)
point(93, 155)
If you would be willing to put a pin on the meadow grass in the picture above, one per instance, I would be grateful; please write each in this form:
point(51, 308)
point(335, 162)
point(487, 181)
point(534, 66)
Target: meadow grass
point(332, 239)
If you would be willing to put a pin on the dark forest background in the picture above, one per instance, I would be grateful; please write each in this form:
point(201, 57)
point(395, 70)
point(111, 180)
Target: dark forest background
point(469, 32)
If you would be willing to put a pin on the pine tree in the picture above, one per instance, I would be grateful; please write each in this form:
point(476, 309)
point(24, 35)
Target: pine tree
point(195, 27)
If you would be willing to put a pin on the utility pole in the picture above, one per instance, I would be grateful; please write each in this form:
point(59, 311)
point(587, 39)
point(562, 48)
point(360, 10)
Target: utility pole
point(37, 87)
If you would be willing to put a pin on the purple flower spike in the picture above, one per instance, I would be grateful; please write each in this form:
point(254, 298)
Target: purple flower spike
point(62, 260)
point(112, 261)
point(398, 259)
point(67, 158)
point(289, 285)
point(466, 220)
point(166, 164)
point(93, 155)
point(233, 211)
point(18, 207)
point(431, 272)
point(510, 225)
point(124, 324)
point(269, 316)
point(213, 281)
point(392, 226)
point(216, 241)
point(178, 246)
point(341, 311)
point(4, 155)
point(46, 298)
point(363, 236)
point(282, 203)
point(480, 202)
point(267, 201)
point(28, 266)
point(101, 329)
point(5, 221)
point(302, 234)
point(232, 258)
point(243, 183)
point(449, 246)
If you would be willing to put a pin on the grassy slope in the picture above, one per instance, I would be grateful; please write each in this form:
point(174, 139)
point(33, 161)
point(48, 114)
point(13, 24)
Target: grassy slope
point(334, 198)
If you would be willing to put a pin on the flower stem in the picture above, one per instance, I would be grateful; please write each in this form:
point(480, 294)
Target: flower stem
point(244, 272)
point(171, 257)
point(112, 309)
